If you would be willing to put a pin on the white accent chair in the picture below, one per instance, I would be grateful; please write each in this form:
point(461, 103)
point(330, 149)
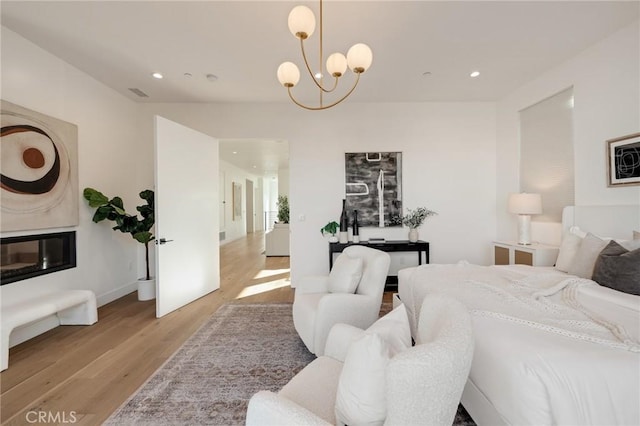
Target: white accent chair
point(423, 384)
point(316, 309)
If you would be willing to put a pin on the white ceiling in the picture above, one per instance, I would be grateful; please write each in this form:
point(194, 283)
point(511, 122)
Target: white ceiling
point(243, 42)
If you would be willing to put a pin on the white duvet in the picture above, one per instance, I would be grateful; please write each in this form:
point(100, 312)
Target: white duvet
point(550, 348)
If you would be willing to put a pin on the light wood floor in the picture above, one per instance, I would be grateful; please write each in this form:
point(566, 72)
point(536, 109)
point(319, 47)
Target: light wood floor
point(85, 373)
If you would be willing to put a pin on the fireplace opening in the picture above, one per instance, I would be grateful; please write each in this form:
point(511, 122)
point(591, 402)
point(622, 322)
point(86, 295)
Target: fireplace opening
point(32, 255)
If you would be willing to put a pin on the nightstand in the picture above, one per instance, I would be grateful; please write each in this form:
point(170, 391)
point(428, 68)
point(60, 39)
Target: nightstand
point(510, 253)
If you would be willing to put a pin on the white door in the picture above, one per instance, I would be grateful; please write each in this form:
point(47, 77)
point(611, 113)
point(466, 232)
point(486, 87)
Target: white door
point(188, 264)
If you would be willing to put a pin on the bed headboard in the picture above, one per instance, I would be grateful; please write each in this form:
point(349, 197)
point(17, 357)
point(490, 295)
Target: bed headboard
point(617, 222)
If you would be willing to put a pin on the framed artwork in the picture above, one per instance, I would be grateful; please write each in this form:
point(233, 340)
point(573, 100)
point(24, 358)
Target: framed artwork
point(237, 200)
point(623, 160)
point(39, 156)
point(374, 187)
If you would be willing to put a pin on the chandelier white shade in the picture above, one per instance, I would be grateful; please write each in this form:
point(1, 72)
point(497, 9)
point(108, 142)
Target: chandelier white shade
point(524, 205)
point(336, 64)
point(288, 74)
point(302, 24)
point(359, 58)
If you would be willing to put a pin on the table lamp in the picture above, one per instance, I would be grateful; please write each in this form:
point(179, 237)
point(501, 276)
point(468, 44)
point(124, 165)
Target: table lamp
point(524, 205)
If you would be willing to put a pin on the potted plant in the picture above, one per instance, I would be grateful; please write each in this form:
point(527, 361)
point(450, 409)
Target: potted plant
point(283, 208)
point(414, 220)
point(140, 229)
point(331, 228)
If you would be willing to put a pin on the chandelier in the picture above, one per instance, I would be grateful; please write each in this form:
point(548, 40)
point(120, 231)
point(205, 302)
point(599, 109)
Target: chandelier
point(302, 24)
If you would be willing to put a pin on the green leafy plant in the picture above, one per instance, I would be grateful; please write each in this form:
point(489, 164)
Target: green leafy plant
point(113, 210)
point(330, 228)
point(283, 208)
point(415, 218)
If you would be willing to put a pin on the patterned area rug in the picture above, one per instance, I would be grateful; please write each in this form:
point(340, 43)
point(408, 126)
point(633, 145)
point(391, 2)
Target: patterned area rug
point(241, 349)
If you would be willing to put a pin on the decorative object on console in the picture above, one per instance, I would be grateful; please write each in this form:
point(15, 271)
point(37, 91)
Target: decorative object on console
point(524, 205)
point(623, 165)
point(283, 209)
point(356, 227)
point(373, 186)
point(140, 229)
point(331, 228)
point(344, 224)
point(302, 23)
point(414, 220)
point(39, 170)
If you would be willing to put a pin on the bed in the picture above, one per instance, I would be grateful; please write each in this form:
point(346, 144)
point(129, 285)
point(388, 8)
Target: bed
point(550, 347)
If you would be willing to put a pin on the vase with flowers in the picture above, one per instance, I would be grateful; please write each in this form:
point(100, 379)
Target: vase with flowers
point(414, 220)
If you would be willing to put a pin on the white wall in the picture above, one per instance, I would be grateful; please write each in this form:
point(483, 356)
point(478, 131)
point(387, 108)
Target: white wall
point(448, 154)
point(283, 182)
point(606, 87)
point(236, 228)
point(107, 130)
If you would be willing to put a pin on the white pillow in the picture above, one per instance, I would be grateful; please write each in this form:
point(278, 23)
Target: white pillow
point(585, 259)
point(568, 250)
point(345, 274)
point(394, 329)
point(360, 397)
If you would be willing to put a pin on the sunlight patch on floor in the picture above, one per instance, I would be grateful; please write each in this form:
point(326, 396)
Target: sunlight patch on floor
point(271, 272)
point(252, 290)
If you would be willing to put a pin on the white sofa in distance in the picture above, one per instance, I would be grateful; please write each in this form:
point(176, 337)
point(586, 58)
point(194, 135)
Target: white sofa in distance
point(276, 241)
point(422, 384)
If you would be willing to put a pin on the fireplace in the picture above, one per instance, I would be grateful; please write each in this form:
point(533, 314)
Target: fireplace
point(32, 255)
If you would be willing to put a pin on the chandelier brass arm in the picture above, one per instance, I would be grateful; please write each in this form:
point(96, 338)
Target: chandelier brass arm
point(320, 86)
point(321, 107)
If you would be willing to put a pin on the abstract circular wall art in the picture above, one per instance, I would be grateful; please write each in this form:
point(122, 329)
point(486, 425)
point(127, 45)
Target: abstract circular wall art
point(39, 174)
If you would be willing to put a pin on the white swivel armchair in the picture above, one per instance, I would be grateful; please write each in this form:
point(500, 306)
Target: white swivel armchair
point(422, 384)
point(351, 294)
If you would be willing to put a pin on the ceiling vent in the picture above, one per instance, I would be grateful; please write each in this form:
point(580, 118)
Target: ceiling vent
point(139, 92)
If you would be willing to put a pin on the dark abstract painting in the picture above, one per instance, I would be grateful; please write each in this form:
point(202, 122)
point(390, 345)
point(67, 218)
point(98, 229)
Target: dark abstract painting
point(374, 187)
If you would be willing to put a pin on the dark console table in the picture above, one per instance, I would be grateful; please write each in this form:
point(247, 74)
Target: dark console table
point(419, 247)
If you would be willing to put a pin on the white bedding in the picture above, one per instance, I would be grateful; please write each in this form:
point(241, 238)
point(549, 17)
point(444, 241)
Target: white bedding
point(529, 371)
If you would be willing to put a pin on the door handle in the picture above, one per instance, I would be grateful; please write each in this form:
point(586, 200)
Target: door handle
point(163, 241)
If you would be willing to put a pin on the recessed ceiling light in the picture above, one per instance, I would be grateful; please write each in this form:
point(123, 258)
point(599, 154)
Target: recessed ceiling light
point(157, 75)
point(235, 152)
point(474, 74)
point(212, 77)
point(188, 75)
point(426, 73)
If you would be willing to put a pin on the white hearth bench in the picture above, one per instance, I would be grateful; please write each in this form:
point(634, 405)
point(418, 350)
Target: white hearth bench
point(72, 307)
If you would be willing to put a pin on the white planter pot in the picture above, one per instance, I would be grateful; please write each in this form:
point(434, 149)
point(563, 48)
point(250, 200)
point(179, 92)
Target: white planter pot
point(146, 289)
point(413, 235)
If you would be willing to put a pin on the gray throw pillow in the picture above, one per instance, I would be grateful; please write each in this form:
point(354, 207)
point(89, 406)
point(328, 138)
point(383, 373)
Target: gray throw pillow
point(618, 268)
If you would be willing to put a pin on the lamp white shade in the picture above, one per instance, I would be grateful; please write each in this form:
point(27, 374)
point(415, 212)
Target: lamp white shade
point(288, 74)
point(336, 64)
point(525, 203)
point(302, 22)
point(359, 58)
